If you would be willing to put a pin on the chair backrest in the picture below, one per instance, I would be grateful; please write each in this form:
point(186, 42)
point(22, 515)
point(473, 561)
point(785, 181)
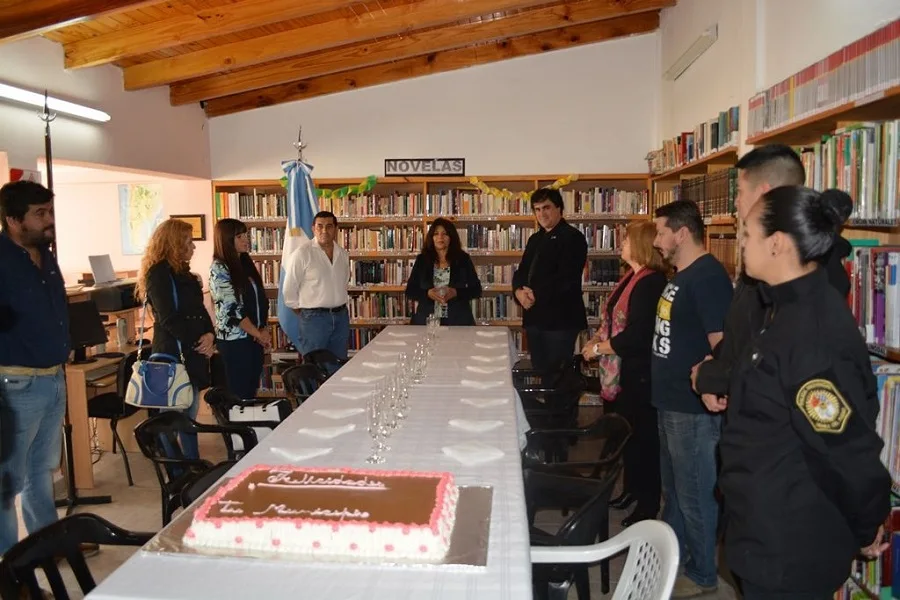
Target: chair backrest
point(651, 566)
point(325, 360)
point(261, 414)
point(301, 381)
point(62, 538)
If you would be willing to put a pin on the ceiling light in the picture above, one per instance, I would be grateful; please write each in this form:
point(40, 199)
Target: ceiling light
point(54, 104)
point(700, 45)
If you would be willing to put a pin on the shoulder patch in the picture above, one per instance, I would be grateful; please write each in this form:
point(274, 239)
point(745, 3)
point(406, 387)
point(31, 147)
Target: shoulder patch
point(823, 406)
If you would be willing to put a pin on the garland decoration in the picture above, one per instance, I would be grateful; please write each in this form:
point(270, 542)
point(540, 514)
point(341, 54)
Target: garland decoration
point(505, 193)
point(342, 192)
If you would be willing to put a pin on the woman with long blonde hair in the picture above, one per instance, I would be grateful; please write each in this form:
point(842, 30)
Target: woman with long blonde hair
point(622, 346)
point(183, 327)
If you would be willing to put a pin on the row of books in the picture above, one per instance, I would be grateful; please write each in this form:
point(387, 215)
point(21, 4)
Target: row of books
point(600, 201)
point(409, 238)
point(380, 272)
point(864, 161)
point(266, 240)
point(270, 271)
point(379, 306)
point(602, 237)
point(255, 205)
point(707, 138)
point(713, 193)
point(860, 69)
point(874, 296)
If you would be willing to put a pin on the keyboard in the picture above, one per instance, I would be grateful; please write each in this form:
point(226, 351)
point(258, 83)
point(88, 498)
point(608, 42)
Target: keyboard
point(102, 372)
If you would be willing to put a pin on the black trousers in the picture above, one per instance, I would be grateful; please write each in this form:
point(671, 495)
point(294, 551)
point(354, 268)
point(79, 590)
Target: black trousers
point(243, 360)
point(750, 591)
point(551, 349)
point(641, 470)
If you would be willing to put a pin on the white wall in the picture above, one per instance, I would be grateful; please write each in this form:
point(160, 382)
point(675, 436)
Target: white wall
point(761, 42)
point(584, 110)
point(145, 131)
point(802, 32)
point(82, 191)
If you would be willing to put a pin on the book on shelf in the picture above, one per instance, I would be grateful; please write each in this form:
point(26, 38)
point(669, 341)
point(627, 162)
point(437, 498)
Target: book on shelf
point(255, 205)
point(864, 161)
point(862, 69)
point(714, 193)
point(873, 295)
point(706, 139)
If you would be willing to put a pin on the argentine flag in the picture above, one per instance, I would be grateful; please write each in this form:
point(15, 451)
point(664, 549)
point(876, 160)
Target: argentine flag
point(302, 206)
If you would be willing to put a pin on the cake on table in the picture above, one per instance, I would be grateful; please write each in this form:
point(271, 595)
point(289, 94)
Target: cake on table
point(330, 513)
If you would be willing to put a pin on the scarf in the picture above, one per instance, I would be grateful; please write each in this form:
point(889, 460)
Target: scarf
point(609, 365)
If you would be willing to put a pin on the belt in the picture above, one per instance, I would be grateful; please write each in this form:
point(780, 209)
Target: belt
point(29, 371)
point(336, 309)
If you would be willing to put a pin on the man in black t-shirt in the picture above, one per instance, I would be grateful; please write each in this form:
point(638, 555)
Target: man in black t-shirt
point(690, 318)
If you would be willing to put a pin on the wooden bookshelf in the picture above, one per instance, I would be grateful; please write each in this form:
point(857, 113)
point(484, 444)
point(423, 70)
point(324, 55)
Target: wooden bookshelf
point(719, 159)
point(878, 106)
point(414, 202)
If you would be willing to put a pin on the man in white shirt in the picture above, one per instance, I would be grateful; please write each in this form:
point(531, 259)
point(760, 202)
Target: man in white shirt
point(315, 286)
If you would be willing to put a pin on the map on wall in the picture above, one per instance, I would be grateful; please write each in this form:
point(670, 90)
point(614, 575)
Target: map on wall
point(140, 211)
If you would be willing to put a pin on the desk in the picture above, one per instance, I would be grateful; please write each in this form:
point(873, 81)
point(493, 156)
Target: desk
point(77, 399)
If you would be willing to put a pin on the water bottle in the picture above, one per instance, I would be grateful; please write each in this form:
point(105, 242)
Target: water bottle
point(122, 333)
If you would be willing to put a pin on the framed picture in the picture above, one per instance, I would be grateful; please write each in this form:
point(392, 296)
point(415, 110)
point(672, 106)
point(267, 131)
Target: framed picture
point(198, 222)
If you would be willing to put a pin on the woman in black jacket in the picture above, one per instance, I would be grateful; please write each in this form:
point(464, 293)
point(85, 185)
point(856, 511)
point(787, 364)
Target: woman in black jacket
point(622, 345)
point(443, 278)
point(176, 298)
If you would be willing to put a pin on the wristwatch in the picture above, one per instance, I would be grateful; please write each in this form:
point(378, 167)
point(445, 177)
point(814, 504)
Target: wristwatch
point(596, 349)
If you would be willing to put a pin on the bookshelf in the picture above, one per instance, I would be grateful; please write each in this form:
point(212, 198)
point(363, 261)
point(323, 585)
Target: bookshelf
point(383, 230)
point(698, 165)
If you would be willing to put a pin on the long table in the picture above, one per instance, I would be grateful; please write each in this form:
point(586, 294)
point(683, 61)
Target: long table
point(416, 446)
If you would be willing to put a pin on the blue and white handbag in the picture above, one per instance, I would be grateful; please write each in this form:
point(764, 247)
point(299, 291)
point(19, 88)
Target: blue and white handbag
point(159, 383)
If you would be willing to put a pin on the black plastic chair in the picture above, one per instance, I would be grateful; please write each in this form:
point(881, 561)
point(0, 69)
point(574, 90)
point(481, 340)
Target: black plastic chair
point(43, 548)
point(611, 432)
point(325, 360)
point(301, 381)
point(198, 486)
point(226, 406)
point(111, 405)
point(174, 472)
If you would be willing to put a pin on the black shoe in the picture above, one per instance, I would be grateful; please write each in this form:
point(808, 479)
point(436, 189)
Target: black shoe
point(636, 516)
point(622, 501)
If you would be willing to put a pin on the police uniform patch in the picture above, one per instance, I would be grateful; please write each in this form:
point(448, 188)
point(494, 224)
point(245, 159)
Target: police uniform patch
point(823, 406)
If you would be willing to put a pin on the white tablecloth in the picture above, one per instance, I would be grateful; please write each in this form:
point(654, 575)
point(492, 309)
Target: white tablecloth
point(416, 446)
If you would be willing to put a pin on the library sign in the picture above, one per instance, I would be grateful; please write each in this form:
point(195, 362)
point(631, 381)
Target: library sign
point(431, 167)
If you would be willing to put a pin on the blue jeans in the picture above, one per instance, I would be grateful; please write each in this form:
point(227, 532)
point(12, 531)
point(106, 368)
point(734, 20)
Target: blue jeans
point(324, 330)
point(32, 409)
point(687, 444)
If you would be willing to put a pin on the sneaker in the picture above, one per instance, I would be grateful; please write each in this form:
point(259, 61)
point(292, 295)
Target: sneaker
point(686, 588)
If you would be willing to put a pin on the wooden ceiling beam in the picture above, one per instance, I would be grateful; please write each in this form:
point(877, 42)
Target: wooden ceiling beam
point(421, 42)
point(20, 19)
point(440, 62)
point(391, 21)
point(185, 29)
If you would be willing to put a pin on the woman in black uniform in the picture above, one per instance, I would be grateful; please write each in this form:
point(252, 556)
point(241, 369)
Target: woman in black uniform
point(804, 487)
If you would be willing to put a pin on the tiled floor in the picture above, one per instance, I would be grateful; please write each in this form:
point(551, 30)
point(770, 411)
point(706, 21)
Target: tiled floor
point(138, 508)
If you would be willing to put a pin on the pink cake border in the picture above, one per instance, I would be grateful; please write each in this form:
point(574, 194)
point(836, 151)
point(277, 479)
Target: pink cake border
point(444, 480)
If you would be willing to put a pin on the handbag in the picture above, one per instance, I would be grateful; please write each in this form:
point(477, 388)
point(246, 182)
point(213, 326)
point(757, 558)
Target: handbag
point(161, 381)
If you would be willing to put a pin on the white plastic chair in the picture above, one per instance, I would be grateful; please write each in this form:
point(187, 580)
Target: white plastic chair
point(650, 568)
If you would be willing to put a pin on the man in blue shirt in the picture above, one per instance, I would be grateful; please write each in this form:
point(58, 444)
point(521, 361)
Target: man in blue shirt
point(34, 347)
point(690, 318)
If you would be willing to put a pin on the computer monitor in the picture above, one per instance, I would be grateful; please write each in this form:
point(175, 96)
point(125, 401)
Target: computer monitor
point(86, 329)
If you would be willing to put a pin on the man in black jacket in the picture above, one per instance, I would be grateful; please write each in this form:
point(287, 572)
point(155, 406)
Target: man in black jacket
point(547, 284)
point(759, 171)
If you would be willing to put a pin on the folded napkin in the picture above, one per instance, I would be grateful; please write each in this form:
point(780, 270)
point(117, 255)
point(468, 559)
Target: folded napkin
point(480, 385)
point(327, 433)
point(339, 413)
point(351, 395)
point(481, 345)
point(299, 453)
point(472, 453)
point(385, 352)
point(490, 333)
point(379, 365)
point(475, 426)
point(497, 358)
point(485, 370)
point(389, 342)
point(366, 379)
point(484, 402)
point(398, 334)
